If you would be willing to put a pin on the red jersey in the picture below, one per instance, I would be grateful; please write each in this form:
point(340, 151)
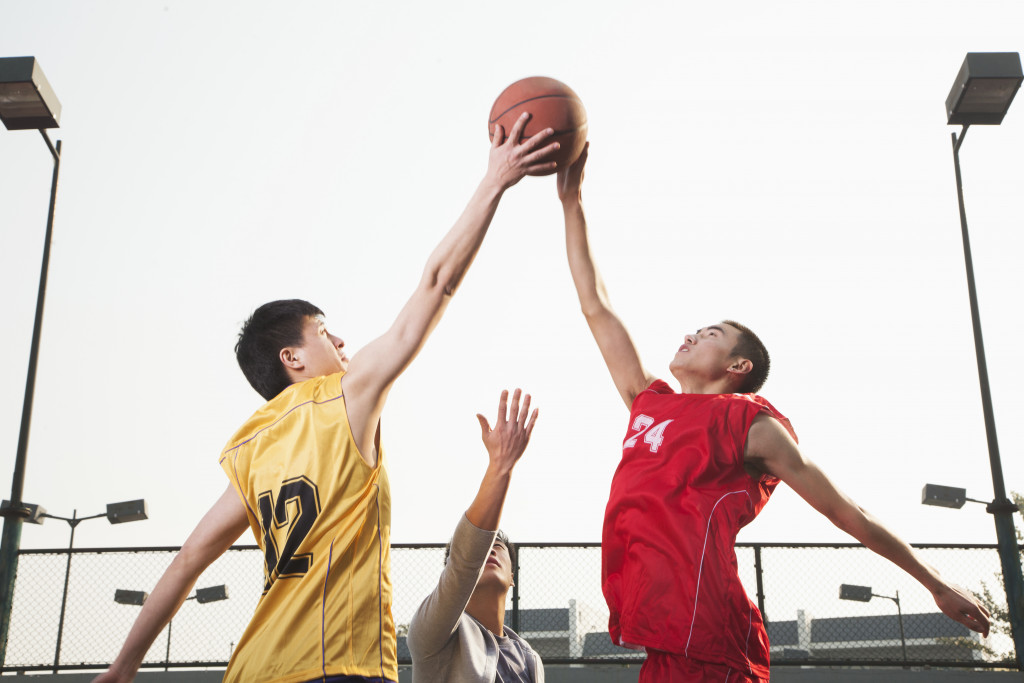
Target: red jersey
point(678, 499)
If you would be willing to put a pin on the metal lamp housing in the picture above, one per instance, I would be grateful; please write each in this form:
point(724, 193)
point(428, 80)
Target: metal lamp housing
point(943, 496)
point(26, 98)
point(128, 511)
point(856, 593)
point(123, 597)
point(29, 512)
point(212, 594)
point(984, 88)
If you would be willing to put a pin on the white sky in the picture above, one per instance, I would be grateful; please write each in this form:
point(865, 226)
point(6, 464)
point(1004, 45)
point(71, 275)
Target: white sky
point(785, 164)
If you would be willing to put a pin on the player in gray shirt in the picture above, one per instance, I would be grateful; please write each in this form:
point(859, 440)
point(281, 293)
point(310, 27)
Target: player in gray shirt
point(458, 634)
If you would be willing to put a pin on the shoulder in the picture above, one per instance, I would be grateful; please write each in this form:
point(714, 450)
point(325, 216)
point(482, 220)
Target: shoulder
point(655, 389)
point(767, 409)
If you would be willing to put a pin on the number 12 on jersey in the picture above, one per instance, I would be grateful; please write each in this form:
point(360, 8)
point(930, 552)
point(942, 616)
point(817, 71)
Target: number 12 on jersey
point(653, 436)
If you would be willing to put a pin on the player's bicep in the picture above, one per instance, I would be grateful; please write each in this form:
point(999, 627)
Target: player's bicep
point(620, 354)
point(771, 449)
point(220, 527)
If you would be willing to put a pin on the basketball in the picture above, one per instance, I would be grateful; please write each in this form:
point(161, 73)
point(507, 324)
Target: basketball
point(551, 104)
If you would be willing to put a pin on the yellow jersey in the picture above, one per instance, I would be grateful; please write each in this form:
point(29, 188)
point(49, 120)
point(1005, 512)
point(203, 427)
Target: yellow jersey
point(322, 517)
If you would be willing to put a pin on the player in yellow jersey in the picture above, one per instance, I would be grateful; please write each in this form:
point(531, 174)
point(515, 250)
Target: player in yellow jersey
point(307, 472)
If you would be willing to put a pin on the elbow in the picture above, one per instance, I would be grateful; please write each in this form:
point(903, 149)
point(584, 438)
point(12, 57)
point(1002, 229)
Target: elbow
point(852, 520)
point(441, 281)
point(594, 309)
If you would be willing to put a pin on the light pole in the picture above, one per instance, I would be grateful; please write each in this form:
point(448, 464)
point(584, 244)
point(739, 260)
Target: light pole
point(26, 102)
point(202, 596)
point(982, 94)
point(864, 594)
point(117, 513)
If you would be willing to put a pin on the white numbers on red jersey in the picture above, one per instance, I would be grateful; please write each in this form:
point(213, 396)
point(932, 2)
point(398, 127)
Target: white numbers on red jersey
point(653, 436)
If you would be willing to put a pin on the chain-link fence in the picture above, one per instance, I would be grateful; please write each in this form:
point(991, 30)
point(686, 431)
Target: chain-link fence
point(556, 605)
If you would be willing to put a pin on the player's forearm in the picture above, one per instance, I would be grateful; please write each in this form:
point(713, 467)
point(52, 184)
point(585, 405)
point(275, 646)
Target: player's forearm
point(878, 538)
point(585, 276)
point(450, 260)
point(439, 613)
point(170, 592)
point(485, 510)
point(446, 266)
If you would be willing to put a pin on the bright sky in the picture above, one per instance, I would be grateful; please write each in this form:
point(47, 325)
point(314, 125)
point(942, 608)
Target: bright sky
point(785, 164)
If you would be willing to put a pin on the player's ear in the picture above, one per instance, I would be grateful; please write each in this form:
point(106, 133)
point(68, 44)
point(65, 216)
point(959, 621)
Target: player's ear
point(291, 357)
point(740, 366)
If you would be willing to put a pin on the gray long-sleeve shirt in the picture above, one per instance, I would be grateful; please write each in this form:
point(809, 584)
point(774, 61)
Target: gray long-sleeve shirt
point(447, 645)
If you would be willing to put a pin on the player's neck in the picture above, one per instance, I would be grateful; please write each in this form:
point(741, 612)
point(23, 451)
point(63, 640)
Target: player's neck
point(488, 607)
point(696, 385)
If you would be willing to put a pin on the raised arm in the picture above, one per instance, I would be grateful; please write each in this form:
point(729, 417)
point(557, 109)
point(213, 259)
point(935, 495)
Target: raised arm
point(617, 348)
point(214, 534)
point(439, 614)
point(374, 369)
point(771, 449)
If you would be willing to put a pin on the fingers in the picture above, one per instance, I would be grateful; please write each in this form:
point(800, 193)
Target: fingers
point(515, 416)
point(531, 423)
point(524, 412)
point(582, 161)
point(517, 128)
point(502, 409)
point(537, 139)
point(542, 153)
point(485, 426)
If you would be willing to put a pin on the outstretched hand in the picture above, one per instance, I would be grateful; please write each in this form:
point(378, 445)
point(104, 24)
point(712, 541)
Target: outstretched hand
point(961, 606)
point(508, 439)
point(570, 178)
point(511, 159)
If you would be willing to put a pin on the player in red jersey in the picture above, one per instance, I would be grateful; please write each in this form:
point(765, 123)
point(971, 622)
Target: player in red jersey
point(696, 467)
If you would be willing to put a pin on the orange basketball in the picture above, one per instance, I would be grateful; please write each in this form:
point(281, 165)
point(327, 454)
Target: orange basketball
point(551, 104)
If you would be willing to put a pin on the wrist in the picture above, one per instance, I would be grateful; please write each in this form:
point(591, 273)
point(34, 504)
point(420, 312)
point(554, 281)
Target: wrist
point(572, 203)
point(492, 187)
point(499, 472)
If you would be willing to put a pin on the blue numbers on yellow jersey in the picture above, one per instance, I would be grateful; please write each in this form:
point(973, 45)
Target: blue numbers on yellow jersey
point(286, 522)
point(653, 436)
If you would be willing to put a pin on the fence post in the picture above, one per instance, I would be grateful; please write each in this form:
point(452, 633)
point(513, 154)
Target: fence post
point(515, 592)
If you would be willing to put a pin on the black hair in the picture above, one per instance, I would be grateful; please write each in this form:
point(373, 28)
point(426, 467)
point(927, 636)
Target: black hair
point(272, 327)
point(749, 346)
point(502, 537)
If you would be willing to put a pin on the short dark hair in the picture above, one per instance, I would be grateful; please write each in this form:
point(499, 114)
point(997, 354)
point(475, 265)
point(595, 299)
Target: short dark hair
point(502, 536)
point(749, 346)
point(271, 327)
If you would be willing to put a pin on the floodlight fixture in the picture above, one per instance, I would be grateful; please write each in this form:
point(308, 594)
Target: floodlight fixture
point(943, 496)
point(128, 511)
point(984, 88)
point(855, 593)
point(30, 513)
point(211, 594)
point(124, 597)
point(26, 99)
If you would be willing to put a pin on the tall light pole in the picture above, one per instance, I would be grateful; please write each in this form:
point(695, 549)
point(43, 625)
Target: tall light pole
point(26, 102)
point(982, 94)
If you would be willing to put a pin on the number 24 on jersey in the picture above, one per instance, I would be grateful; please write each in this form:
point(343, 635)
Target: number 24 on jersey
point(653, 434)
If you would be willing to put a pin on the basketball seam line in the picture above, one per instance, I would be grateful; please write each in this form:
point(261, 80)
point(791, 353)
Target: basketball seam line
point(538, 97)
